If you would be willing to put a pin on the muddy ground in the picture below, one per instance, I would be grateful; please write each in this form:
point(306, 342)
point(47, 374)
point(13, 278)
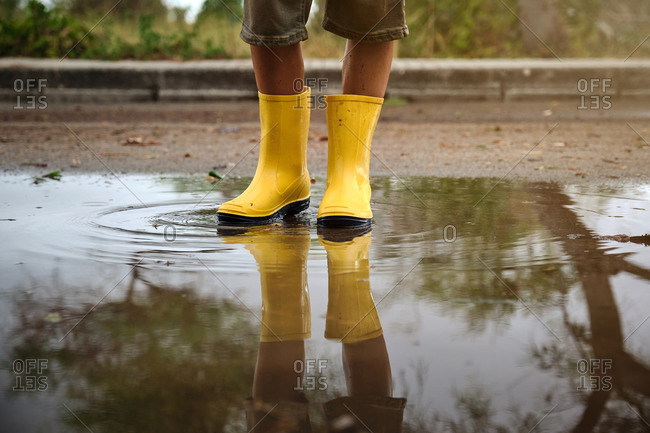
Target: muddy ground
point(541, 140)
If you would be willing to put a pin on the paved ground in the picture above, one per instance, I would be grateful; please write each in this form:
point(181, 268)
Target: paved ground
point(422, 138)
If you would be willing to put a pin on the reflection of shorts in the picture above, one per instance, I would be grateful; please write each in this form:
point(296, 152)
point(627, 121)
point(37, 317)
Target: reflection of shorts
point(282, 22)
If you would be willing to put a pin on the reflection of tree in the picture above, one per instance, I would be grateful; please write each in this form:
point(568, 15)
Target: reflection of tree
point(474, 412)
point(160, 359)
point(511, 237)
point(505, 229)
point(630, 378)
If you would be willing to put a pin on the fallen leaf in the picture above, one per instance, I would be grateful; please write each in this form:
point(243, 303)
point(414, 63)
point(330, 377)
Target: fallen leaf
point(138, 141)
point(53, 318)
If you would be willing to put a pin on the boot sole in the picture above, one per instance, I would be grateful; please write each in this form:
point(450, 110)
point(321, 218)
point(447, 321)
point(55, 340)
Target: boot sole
point(289, 209)
point(343, 221)
point(342, 234)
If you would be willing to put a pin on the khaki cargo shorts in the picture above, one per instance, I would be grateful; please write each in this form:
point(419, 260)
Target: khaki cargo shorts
point(282, 22)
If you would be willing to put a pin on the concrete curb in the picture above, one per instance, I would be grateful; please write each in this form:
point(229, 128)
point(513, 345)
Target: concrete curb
point(127, 81)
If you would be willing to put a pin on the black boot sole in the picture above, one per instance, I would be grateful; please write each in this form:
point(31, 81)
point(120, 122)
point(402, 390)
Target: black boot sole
point(343, 221)
point(289, 209)
point(342, 234)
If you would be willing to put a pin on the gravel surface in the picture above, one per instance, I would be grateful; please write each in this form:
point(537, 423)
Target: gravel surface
point(540, 140)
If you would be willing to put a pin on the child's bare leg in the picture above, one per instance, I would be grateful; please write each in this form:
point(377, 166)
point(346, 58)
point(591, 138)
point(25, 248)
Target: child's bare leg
point(351, 122)
point(366, 68)
point(278, 68)
point(281, 183)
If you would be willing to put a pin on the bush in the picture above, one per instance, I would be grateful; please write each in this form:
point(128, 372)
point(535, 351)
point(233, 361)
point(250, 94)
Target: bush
point(39, 32)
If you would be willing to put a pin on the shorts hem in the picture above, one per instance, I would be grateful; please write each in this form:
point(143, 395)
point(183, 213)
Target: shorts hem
point(383, 35)
point(273, 41)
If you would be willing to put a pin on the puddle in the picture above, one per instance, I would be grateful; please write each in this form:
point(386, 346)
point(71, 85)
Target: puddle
point(123, 307)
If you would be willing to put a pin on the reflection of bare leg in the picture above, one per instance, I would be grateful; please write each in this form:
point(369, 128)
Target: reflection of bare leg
point(367, 368)
point(278, 403)
point(276, 378)
point(277, 399)
point(352, 319)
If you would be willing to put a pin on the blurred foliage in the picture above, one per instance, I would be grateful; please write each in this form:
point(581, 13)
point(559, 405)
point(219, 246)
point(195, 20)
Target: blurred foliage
point(123, 10)
point(38, 32)
point(156, 359)
point(230, 9)
point(466, 28)
point(149, 29)
point(8, 8)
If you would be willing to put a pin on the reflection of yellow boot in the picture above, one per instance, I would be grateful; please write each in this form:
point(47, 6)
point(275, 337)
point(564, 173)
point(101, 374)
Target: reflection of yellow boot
point(351, 121)
point(351, 313)
point(281, 183)
point(281, 256)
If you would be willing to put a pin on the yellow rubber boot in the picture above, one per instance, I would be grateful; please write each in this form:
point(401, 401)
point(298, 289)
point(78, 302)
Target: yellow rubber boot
point(351, 121)
point(351, 312)
point(281, 256)
point(281, 183)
